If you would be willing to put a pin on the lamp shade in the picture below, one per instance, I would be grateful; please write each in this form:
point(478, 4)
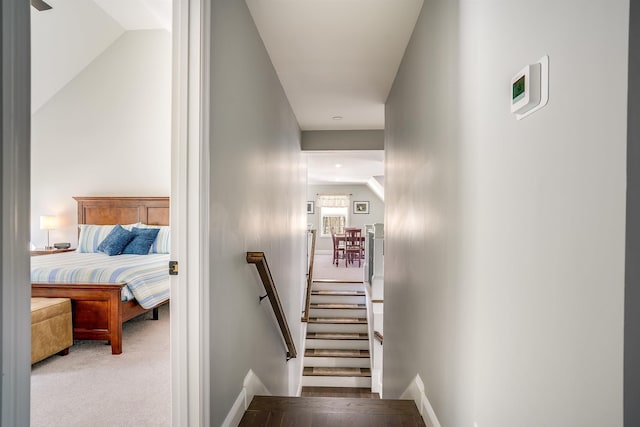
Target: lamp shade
point(48, 222)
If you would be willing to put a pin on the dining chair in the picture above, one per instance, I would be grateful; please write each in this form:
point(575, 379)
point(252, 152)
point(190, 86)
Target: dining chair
point(353, 245)
point(338, 248)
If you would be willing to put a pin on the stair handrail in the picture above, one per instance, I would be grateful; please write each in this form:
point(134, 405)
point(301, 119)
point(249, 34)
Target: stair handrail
point(307, 301)
point(260, 262)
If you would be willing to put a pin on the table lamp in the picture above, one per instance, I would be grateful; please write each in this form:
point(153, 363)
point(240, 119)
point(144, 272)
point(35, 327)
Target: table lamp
point(48, 222)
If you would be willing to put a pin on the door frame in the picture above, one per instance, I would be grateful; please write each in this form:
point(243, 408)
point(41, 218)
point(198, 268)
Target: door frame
point(190, 299)
point(15, 291)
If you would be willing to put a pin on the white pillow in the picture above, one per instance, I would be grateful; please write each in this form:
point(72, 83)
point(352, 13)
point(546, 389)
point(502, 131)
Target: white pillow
point(92, 235)
point(162, 244)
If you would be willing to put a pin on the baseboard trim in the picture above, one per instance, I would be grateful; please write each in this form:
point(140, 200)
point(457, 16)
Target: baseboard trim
point(415, 392)
point(250, 387)
point(376, 380)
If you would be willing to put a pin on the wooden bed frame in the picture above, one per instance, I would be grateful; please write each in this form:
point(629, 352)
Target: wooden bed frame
point(97, 309)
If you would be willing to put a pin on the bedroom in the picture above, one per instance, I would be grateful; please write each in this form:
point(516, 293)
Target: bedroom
point(101, 111)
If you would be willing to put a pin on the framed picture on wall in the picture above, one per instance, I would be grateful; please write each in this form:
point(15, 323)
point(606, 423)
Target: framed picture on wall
point(360, 207)
point(310, 207)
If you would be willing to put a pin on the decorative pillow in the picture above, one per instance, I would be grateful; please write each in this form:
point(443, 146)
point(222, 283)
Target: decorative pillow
point(116, 241)
point(92, 235)
point(162, 243)
point(142, 241)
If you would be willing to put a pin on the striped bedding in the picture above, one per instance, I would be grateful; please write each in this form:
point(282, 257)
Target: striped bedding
point(146, 276)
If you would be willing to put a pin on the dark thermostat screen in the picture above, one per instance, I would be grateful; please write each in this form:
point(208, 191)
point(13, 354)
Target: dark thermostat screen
point(518, 88)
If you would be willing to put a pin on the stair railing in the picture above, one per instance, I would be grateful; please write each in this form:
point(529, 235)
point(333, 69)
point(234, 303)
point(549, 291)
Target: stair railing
point(307, 300)
point(260, 261)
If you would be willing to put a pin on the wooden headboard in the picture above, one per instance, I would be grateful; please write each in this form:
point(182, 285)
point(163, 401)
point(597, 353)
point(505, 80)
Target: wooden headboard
point(123, 210)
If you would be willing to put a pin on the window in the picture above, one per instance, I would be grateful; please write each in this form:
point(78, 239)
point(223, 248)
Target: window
point(334, 213)
point(333, 218)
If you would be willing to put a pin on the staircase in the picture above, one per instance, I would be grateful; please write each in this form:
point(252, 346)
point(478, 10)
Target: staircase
point(337, 342)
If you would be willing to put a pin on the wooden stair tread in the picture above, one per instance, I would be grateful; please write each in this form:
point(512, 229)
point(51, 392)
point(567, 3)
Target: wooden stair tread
point(317, 371)
point(328, 411)
point(337, 282)
point(339, 293)
point(337, 336)
point(337, 306)
point(338, 320)
point(321, 352)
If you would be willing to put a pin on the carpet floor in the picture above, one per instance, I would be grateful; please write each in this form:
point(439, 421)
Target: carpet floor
point(324, 269)
point(90, 387)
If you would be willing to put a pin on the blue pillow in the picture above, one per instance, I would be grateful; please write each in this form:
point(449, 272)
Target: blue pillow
point(143, 238)
point(115, 241)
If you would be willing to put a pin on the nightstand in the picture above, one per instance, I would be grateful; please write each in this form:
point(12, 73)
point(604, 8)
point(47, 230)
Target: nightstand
point(36, 252)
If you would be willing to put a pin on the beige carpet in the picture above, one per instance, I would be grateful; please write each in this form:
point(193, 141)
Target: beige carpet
point(323, 268)
point(90, 387)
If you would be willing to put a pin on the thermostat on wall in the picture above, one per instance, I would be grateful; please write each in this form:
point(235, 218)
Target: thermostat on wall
point(530, 88)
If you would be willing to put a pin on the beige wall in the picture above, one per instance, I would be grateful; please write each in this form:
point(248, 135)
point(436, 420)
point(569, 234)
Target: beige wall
point(504, 239)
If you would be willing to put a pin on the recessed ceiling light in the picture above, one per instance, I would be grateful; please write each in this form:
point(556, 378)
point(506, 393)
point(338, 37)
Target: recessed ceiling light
point(337, 117)
point(338, 165)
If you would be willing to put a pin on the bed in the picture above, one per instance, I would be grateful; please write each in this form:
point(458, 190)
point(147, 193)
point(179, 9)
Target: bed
point(100, 309)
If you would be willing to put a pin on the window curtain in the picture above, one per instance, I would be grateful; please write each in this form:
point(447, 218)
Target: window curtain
point(334, 200)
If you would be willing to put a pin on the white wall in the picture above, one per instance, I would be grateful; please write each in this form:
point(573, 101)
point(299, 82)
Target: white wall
point(62, 44)
point(358, 193)
point(105, 133)
point(512, 312)
point(258, 184)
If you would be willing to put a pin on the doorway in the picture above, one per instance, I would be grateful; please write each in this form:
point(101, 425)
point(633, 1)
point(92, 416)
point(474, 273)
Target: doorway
point(189, 385)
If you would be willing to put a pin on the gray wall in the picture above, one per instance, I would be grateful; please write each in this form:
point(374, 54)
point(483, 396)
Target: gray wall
point(512, 312)
point(343, 140)
point(358, 193)
point(632, 267)
point(258, 191)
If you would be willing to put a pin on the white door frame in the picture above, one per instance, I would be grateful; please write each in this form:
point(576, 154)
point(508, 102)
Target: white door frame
point(15, 155)
point(190, 330)
point(189, 205)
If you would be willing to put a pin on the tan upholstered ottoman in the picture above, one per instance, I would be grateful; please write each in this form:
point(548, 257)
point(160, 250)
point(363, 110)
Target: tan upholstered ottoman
point(51, 329)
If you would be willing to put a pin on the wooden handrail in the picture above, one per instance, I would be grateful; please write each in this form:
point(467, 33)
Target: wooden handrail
point(378, 336)
point(307, 301)
point(260, 261)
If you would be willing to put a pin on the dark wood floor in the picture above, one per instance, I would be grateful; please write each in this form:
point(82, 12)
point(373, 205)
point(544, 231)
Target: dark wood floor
point(328, 412)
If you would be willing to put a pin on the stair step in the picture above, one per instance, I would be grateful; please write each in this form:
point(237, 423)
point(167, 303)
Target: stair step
point(337, 336)
point(337, 362)
point(330, 381)
point(339, 411)
point(354, 392)
point(339, 293)
point(339, 320)
point(336, 281)
point(337, 344)
point(338, 306)
point(339, 287)
point(327, 352)
point(336, 372)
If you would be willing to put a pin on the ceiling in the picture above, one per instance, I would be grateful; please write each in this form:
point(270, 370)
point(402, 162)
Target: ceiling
point(336, 59)
point(139, 14)
point(344, 167)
